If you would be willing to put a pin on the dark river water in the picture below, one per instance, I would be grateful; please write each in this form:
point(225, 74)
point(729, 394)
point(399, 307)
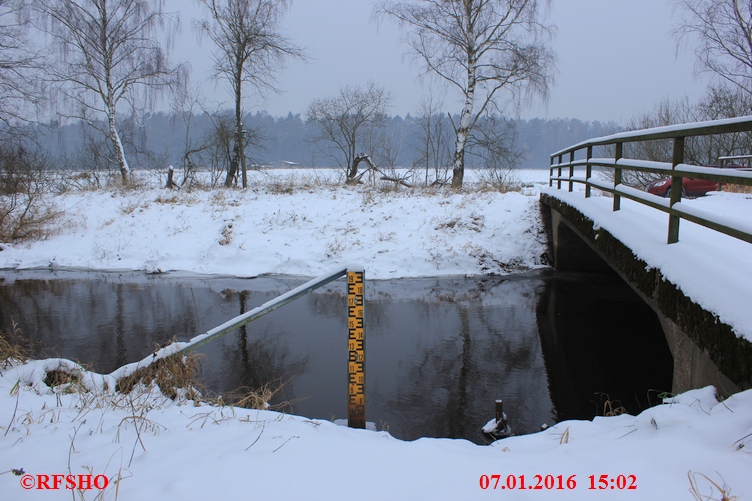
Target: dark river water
point(439, 351)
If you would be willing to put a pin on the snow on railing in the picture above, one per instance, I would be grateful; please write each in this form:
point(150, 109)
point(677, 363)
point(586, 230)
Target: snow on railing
point(677, 170)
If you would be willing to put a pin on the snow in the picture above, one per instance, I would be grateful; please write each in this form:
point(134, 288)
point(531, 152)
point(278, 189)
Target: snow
point(710, 268)
point(163, 449)
point(642, 196)
point(247, 233)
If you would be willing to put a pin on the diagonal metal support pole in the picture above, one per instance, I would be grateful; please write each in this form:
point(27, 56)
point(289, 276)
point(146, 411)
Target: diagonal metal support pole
point(262, 310)
point(230, 325)
point(356, 336)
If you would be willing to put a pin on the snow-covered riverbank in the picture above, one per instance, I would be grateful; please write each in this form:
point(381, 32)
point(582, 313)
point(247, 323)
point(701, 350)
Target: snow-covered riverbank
point(151, 448)
point(161, 449)
point(292, 226)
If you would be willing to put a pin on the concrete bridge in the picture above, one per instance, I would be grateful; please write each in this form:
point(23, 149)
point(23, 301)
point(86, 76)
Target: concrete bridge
point(701, 309)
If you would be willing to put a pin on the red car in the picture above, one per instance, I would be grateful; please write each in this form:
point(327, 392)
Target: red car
point(690, 187)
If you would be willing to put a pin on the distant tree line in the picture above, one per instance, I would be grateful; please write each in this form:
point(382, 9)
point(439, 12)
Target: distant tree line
point(158, 140)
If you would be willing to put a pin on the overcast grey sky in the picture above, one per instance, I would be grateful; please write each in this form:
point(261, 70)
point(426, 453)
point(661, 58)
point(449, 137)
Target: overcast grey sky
point(617, 59)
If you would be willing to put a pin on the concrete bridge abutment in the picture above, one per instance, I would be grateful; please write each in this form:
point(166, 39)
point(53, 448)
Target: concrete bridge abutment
point(705, 350)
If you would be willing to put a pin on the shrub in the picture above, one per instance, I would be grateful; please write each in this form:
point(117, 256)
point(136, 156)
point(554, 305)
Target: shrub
point(24, 211)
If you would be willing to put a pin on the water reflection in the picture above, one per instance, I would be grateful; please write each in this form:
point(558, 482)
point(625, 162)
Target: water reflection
point(465, 343)
point(604, 344)
point(439, 351)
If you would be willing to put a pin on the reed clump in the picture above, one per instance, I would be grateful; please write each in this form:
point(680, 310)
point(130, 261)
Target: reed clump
point(14, 348)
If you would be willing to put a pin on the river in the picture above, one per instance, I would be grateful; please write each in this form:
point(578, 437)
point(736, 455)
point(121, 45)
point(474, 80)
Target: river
point(439, 351)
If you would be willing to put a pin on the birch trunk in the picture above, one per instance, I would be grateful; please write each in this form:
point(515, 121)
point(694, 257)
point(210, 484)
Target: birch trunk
point(463, 130)
point(235, 160)
point(125, 170)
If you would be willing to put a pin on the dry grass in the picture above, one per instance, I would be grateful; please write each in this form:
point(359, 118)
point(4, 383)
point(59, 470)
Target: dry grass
point(258, 398)
point(55, 378)
point(136, 182)
point(694, 488)
point(737, 188)
point(78, 181)
point(291, 183)
point(175, 376)
point(14, 348)
point(167, 198)
point(283, 187)
point(613, 408)
point(502, 180)
point(335, 247)
point(610, 407)
point(129, 207)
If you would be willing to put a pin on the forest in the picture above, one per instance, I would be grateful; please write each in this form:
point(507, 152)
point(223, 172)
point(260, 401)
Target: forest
point(157, 140)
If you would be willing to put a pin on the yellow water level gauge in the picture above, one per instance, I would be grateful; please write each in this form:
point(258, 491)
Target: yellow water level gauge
point(356, 346)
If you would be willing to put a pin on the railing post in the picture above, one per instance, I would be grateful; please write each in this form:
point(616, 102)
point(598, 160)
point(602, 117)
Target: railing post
point(588, 171)
point(617, 174)
point(550, 172)
point(356, 345)
point(676, 189)
point(571, 169)
point(558, 181)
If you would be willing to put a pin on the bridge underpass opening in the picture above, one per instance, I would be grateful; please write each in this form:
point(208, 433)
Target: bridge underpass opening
point(705, 350)
point(604, 348)
point(603, 339)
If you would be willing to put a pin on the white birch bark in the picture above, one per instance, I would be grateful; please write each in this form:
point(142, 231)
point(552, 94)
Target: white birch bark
point(117, 145)
point(463, 130)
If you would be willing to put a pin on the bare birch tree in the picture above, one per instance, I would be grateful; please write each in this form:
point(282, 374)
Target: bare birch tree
point(109, 55)
point(481, 48)
point(347, 119)
point(723, 29)
point(250, 48)
point(18, 60)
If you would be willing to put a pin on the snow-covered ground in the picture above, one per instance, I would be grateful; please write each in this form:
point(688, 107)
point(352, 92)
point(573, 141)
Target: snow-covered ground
point(164, 450)
point(175, 450)
point(293, 223)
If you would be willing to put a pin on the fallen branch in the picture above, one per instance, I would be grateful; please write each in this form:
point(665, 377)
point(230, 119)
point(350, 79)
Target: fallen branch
point(397, 180)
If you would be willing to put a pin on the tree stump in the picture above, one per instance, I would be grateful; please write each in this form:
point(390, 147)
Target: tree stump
point(171, 184)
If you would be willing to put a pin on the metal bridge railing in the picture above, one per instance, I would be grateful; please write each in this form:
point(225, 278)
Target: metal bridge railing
point(581, 171)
